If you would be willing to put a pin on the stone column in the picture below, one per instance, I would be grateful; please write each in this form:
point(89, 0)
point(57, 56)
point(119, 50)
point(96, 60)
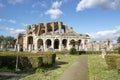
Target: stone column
point(60, 44)
point(44, 45)
point(68, 47)
point(52, 43)
point(60, 26)
point(29, 47)
point(18, 47)
point(35, 46)
point(83, 44)
point(45, 24)
point(52, 24)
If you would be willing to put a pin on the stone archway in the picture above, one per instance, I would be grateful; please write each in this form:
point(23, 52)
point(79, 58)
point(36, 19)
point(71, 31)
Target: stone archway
point(39, 43)
point(56, 44)
point(48, 43)
point(73, 43)
point(64, 43)
point(30, 43)
point(30, 40)
point(79, 44)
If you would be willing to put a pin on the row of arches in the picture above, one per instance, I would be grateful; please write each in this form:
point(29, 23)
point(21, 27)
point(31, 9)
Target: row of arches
point(48, 43)
point(55, 44)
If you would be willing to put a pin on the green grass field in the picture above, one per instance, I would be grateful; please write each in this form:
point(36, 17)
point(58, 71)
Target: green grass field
point(54, 72)
point(98, 69)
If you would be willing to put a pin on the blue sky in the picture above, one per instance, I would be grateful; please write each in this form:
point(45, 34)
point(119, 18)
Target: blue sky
point(98, 18)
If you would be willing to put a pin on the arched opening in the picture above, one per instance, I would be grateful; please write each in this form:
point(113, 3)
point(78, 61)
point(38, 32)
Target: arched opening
point(64, 42)
point(48, 43)
point(30, 40)
point(79, 42)
point(73, 42)
point(86, 42)
point(42, 31)
point(49, 28)
point(39, 43)
point(30, 43)
point(56, 44)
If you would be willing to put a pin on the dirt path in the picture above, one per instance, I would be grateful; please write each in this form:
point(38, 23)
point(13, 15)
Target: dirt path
point(78, 71)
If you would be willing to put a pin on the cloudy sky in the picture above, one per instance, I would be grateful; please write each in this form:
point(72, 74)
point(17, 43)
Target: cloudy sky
point(98, 18)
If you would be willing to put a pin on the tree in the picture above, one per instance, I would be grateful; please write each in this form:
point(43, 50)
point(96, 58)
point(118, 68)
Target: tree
point(10, 41)
point(118, 40)
point(1, 39)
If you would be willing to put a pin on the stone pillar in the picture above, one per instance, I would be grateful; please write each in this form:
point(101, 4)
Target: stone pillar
point(68, 46)
point(52, 43)
point(52, 24)
point(45, 24)
point(60, 26)
point(83, 44)
point(30, 47)
point(35, 46)
point(60, 44)
point(18, 47)
point(44, 45)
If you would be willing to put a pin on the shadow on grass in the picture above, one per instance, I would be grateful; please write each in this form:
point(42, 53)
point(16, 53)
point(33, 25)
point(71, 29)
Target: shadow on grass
point(26, 72)
point(57, 65)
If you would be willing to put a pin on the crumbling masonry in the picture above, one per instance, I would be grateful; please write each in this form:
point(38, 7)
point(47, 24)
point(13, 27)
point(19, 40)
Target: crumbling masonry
point(50, 36)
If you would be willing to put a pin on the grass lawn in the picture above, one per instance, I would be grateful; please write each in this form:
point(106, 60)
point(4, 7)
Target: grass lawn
point(98, 69)
point(54, 72)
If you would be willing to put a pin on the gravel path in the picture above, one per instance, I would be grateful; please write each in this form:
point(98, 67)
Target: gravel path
point(78, 71)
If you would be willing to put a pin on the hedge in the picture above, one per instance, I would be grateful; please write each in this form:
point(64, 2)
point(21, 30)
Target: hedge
point(111, 60)
point(89, 52)
point(26, 60)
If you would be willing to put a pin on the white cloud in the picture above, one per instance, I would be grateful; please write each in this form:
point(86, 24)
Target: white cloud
point(56, 4)
point(15, 1)
point(12, 30)
point(104, 4)
point(42, 4)
point(2, 5)
point(15, 31)
point(12, 21)
point(54, 12)
point(108, 34)
point(24, 24)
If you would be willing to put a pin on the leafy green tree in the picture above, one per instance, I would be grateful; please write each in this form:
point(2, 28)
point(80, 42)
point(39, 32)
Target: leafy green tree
point(10, 41)
point(118, 40)
point(1, 39)
point(7, 42)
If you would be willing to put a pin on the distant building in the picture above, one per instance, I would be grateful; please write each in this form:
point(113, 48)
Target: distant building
point(98, 46)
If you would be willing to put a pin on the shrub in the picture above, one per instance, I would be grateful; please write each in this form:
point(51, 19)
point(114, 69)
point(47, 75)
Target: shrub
point(73, 51)
point(118, 65)
point(111, 60)
point(82, 52)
